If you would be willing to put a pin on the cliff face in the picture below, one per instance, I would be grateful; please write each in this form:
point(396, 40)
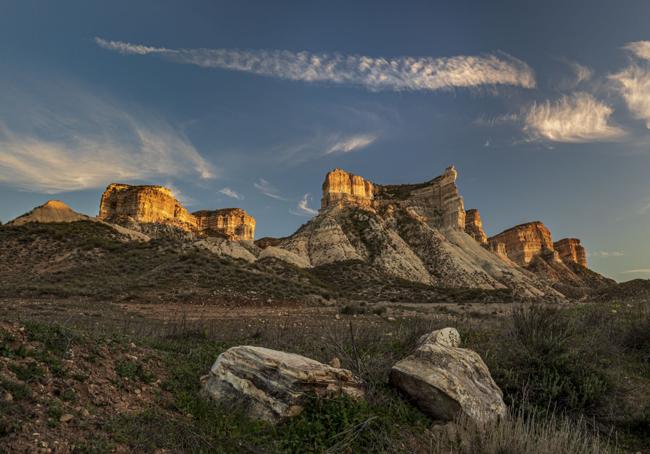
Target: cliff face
point(474, 226)
point(524, 242)
point(144, 204)
point(127, 205)
point(340, 187)
point(234, 223)
point(437, 202)
point(571, 251)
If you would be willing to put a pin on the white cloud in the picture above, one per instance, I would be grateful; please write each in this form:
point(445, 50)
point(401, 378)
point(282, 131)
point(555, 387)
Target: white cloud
point(633, 84)
point(640, 49)
point(268, 189)
point(581, 72)
point(637, 271)
point(576, 118)
point(231, 193)
point(303, 208)
point(607, 254)
point(373, 73)
point(351, 143)
point(56, 137)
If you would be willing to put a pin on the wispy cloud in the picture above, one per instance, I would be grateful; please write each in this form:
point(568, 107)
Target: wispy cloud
point(640, 49)
point(351, 143)
point(57, 137)
point(268, 189)
point(576, 118)
point(606, 254)
point(303, 208)
point(637, 271)
point(231, 193)
point(633, 82)
point(373, 73)
point(581, 72)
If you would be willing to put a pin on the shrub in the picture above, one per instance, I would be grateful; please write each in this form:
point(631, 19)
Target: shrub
point(542, 363)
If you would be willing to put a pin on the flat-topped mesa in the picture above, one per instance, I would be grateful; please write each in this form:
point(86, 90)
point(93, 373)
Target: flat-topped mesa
point(234, 223)
point(474, 226)
point(341, 187)
point(523, 242)
point(144, 204)
point(571, 251)
point(437, 201)
point(126, 204)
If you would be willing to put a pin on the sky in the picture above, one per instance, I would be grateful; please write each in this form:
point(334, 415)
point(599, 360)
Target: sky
point(543, 107)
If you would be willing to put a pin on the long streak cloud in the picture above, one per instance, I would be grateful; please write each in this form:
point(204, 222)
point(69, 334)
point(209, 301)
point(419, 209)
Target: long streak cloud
point(373, 73)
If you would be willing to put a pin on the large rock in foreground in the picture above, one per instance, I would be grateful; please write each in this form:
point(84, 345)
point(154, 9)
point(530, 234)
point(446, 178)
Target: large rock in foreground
point(272, 385)
point(446, 381)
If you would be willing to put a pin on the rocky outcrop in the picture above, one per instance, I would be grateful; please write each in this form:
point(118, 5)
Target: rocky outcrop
point(474, 226)
point(156, 205)
point(524, 242)
point(413, 232)
point(437, 202)
point(233, 223)
point(50, 211)
point(341, 186)
point(562, 263)
point(271, 385)
point(571, 251)
point(123, 203)
point(446, 381)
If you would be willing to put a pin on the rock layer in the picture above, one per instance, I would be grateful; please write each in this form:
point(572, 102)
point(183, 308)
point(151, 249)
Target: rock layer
point(474, 226)
point(272, 385)
point(413, 232)
point(127, 205)
point(144, 204)
point(571, 251)
point(524, 242)
point(446, 381)
point(234, 223)
point(437, 201)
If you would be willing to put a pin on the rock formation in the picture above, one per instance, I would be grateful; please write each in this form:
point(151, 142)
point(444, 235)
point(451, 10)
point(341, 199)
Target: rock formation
point(141, 205)
point(436, 202)
point(474, 226)
point(524, 242)
point(563, 263)
point(144, 204)
point(51, 211)
point(272, 385)
point(341, 186)
point(234, 223)
point(446, 381)
point(414, 232)
point(571, 251)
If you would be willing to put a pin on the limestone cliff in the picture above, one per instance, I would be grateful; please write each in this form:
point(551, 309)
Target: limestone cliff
point(524, 242)
point(234, 223)
point(144, 204)
point(571, 251)
point(156, 206)
point(563, 263)
point(474, 226)
point(436, 202)
point(414, 232)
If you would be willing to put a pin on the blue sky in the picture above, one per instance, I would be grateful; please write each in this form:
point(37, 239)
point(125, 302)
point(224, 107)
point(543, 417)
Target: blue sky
point(543, 107)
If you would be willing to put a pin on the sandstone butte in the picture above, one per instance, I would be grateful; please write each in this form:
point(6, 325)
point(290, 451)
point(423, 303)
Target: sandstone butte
point(523, 243)
point(436, 201)
point(474, 226)
point(124, 204)
point(440, 205)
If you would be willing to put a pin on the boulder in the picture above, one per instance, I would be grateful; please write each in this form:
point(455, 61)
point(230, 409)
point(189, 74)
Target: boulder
point(446, 381)
point(273, 385)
